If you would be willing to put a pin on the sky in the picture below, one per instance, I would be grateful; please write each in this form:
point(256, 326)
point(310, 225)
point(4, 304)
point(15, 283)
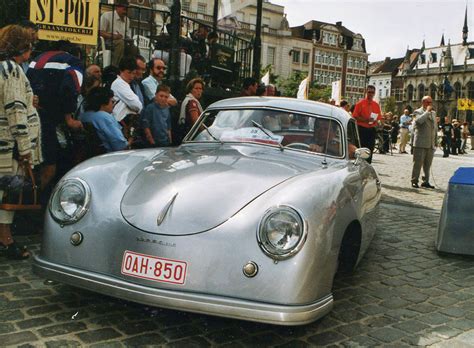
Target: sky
point(389, 26)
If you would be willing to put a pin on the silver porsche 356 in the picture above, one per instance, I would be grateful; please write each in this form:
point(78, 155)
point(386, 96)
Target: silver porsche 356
point(250, 218)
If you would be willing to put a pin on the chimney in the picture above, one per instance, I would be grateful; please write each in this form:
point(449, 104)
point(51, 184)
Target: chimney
point(387, 59)
point(338, 24)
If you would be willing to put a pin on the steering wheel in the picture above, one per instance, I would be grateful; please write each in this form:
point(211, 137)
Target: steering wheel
point(300, 146)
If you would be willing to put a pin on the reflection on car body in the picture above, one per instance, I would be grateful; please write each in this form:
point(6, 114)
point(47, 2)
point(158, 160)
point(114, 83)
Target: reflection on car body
point(241, 221)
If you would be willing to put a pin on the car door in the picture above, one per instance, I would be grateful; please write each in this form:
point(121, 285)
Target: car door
point(366, 193)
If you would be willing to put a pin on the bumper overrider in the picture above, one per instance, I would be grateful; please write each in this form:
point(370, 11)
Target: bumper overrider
point(185, 301)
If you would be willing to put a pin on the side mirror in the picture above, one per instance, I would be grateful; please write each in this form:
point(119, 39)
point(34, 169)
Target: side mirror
point(361, 153)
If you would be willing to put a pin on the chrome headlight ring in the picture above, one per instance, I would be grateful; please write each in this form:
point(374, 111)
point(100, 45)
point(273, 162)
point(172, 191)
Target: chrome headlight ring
point(70, 201)
point(281, 232)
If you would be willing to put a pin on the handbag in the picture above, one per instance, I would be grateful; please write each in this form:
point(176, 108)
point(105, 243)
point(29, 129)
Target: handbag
point(19, 191)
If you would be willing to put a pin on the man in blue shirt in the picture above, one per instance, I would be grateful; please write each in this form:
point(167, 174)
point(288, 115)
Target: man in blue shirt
point(99, 106)
point(157, 73)
point(405, 122)
point(157, 119)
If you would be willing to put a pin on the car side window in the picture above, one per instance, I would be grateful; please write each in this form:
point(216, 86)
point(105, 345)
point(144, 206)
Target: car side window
point(352, 134)
point(352, 138)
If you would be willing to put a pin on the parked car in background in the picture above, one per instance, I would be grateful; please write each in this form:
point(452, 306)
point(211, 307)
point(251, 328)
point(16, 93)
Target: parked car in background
point(250, 218)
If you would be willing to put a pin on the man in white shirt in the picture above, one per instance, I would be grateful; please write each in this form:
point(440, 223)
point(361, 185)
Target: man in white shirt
point(157, 73)
point(126, 101)
point(405, 122)
point(115, 28)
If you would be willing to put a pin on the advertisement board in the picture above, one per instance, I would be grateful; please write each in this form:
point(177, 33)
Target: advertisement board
point(73, 20)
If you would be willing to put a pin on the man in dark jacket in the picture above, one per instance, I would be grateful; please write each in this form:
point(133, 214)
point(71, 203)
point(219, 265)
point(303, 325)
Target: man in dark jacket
point(56, 78)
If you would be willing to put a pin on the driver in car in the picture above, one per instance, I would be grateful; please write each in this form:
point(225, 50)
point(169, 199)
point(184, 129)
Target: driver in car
point(325, 139)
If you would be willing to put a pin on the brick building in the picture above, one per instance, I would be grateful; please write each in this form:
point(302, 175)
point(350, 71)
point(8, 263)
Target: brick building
point(339, 54)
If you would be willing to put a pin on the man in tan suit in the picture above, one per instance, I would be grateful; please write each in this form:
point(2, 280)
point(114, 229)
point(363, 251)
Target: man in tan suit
point(424, 143)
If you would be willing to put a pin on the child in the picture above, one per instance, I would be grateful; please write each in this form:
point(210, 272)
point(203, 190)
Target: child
point(157, 119)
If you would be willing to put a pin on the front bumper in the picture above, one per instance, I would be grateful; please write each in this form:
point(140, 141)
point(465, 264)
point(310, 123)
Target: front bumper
point(185, 301)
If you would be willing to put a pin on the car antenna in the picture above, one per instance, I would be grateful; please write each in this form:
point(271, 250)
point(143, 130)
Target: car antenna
point(259, 126)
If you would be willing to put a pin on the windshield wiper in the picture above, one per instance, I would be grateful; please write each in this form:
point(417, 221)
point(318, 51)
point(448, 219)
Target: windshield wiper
point(259, 126)
point(212, 135)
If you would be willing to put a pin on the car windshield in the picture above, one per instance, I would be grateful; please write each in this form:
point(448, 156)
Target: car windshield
point(272, 127)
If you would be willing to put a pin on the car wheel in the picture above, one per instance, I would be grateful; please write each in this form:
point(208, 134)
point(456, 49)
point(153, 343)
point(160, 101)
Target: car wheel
point(350, 247)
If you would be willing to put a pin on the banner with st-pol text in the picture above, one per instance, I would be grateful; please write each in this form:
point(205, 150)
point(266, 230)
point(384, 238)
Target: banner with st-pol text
point(73, 20)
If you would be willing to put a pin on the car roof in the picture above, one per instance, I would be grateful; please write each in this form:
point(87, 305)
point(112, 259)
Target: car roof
point(296, 105)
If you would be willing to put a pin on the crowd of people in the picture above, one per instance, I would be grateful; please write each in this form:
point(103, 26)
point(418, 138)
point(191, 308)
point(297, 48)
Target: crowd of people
point(57, 113)
point(51, 108)
point(422, 129)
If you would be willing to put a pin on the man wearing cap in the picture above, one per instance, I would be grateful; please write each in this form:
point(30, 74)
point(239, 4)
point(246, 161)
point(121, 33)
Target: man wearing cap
point(115, 29)
point(424, 142)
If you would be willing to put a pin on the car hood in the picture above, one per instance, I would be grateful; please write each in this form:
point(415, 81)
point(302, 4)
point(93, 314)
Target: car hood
point(193, 189)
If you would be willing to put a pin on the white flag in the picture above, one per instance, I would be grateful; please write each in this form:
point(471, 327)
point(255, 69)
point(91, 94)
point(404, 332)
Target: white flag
point(227, 7)
point(266, 78)
point(303, 90)
point(336, 91)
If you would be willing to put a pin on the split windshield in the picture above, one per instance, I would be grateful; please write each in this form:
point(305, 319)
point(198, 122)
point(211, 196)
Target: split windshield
point(271, 127)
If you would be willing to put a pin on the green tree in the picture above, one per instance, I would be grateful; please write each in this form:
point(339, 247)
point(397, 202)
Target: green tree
point(390, 105)
point(320, 93)
point(289, 87)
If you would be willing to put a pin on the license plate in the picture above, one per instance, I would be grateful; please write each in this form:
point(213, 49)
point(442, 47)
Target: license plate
point(154, 268)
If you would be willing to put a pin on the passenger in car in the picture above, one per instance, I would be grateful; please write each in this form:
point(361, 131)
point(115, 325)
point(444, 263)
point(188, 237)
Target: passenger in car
point(272, 123)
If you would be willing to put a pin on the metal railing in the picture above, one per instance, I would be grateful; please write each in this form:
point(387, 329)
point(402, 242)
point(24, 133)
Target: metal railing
point(147, 34)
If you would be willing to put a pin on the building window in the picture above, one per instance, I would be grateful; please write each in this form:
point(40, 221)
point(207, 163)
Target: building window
point(421, 91)
point(240, 16)
point(266, 21)
point(296, 56)
point(457, 90)
point(422, 59)
point(410, 93)
point(318, 56)
point(329, 38)
point(271, 55)
point(186, 6)
point(433, 91)
point(202, 8)
point(349, 63)
point(470, 90)
point(434, 57)
point(305, 57)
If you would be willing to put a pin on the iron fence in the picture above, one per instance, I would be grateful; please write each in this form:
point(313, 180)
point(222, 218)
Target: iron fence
point(227, 60)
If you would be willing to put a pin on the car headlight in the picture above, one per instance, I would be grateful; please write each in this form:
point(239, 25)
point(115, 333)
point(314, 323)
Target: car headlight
point(281, 233)
point(70, 201)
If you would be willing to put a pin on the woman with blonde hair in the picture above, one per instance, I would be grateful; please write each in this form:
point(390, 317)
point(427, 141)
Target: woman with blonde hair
point(19, 122)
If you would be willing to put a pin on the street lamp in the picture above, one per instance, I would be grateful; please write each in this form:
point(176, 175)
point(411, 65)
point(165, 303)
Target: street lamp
point(257, 46)
point(175, 25)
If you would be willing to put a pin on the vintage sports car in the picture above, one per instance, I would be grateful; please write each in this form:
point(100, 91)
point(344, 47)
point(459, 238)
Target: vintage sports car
point(250, 218)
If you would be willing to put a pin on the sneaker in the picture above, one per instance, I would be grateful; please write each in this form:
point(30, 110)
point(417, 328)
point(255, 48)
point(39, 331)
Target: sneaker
point(415, 185)
point(427, 185)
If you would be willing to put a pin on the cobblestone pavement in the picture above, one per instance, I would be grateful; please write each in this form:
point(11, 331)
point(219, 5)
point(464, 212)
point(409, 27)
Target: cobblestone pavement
point(402, 294)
